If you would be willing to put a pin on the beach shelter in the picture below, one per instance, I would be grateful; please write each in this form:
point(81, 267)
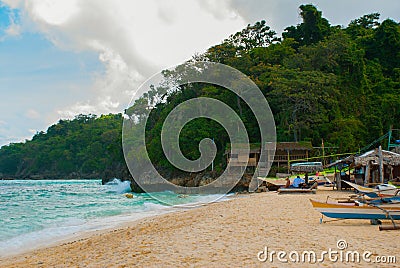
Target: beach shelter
point(306, 167)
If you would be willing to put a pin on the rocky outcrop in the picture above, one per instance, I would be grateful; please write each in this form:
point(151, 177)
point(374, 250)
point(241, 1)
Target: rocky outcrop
point(190, 180)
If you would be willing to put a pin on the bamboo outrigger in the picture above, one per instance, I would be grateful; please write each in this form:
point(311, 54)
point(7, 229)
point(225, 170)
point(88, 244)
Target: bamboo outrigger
point(374, 210)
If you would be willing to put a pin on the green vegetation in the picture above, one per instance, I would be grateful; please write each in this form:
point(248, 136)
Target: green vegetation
point(86, 147)
point(340, 84)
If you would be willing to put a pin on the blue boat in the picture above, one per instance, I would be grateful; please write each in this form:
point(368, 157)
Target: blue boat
point(377, 211)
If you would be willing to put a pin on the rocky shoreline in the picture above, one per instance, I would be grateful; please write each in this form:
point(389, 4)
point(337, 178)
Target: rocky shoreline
point(185, 180)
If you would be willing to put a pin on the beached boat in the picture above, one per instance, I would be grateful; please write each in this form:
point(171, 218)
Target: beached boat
point(377, 211)
point(395, 184)
point(321, 180)
point(297, 191)
point(278, 183)
point(384, 190)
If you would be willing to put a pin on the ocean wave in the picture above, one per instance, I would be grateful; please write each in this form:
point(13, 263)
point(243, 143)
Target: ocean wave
point(118, 186)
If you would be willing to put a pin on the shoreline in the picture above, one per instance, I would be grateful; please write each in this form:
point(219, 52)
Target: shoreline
point(100, 227)
point(229, 233)
point(92, 227)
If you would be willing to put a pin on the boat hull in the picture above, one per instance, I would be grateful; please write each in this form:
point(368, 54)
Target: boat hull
point(341, 211)
point(373, 193)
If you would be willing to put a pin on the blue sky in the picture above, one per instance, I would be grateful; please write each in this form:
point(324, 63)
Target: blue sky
point(59, 58)
point(36, 78)
point(5, 12)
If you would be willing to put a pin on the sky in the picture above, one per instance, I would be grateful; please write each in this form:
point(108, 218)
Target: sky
point(60, 58)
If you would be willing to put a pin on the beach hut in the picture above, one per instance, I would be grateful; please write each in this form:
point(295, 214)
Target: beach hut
point(242, 158)
point(287, 152)
point(377, 166)
point(371, 168)
point(279, 153)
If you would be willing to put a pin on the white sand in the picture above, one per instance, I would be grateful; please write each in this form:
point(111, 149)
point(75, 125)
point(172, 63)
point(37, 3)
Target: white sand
point(225, 234)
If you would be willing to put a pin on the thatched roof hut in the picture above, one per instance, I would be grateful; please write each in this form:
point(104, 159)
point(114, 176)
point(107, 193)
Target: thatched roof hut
point(388, 158)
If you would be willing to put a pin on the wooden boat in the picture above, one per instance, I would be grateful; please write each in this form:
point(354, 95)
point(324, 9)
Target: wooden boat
point(275, 182)
point(322, 181)
point(369, 211)
point(373, 193)
point(311, 190)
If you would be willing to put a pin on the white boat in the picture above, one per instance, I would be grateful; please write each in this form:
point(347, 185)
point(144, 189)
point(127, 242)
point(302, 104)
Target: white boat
point(383, 190)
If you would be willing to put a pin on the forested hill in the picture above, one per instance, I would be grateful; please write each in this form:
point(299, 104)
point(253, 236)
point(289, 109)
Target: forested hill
point(86, 147)
point(340, 84)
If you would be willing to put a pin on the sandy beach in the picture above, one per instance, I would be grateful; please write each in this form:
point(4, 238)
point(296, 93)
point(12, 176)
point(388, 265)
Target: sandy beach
point(224, 234)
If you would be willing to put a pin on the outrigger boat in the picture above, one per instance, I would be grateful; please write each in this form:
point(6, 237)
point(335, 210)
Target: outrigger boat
point(384, 190)
point(395, 184)
point(322, 181)
point(311, 190)
point(374, 210)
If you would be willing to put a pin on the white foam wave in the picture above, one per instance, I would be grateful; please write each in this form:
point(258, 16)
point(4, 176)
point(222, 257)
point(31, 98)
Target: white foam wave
point(118, 186)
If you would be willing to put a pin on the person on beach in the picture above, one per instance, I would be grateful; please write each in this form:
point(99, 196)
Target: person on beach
point(287, 185)
point(297, 182)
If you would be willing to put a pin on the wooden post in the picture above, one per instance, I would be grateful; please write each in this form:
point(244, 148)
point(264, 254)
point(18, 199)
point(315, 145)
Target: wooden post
point(380, 164)
point(367, 174)
point(339, 180)
point(335, 180)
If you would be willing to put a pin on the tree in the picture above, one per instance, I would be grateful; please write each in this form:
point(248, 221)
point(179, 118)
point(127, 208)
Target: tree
point(257, 35)
point(386, 46)
point(369, 21)
point(313, 29)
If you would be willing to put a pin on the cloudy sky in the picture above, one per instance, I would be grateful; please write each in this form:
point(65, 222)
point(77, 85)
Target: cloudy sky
point(59, 58)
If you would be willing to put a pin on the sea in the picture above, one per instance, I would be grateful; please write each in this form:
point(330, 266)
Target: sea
point(40, 213)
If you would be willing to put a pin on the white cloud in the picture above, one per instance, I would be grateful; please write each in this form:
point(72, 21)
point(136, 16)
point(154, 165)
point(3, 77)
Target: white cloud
point(219, 9)
point(134, 39)
point(13, 29)
point(32, 114)
point(54, 12)
point(105, 105)
point(13, 3)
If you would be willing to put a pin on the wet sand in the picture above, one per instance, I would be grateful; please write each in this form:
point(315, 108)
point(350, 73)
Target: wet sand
point(225, 234)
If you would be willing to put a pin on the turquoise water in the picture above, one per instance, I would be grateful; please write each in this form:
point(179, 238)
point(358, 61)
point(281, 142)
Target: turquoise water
point(38, 213)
